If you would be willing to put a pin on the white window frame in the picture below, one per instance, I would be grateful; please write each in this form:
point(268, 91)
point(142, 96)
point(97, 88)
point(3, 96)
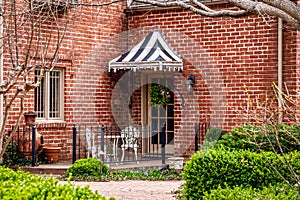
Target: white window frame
point(47, 94)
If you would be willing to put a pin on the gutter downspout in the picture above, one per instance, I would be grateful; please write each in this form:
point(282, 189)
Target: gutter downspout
point(280, 58)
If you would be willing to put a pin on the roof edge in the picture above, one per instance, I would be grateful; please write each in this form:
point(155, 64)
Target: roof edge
point(156, 66)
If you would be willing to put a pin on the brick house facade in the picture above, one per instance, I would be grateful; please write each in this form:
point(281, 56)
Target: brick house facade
point(223, 54)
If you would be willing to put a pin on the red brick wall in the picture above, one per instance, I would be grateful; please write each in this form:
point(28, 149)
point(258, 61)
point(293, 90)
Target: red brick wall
point(298, 76)
point(222, 53)
point(87, 84)
point(236, 52)
point(298, 71)
point(89, 98)
point(291, 64)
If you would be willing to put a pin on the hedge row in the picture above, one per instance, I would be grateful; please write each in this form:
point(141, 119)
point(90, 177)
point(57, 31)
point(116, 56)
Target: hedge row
point(275, 192)
point(256, 138)
point(224, 167)
point(22, 185)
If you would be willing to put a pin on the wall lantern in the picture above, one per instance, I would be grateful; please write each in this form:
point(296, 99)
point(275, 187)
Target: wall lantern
point(189, 84)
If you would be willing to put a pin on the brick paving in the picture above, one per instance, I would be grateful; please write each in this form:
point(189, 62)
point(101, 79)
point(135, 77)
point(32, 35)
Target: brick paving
point(133, 189)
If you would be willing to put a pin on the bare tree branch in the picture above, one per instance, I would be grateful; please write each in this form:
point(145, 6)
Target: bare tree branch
point(260, 8)
point(202, 10)
point(285, 9)
point(95, 4)
point(285, 5)
point(31, 40)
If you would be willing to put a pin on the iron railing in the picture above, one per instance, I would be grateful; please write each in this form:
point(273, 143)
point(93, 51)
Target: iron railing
point(23, 145)
point(114, 145)
point(200, 132)
point(107, 143)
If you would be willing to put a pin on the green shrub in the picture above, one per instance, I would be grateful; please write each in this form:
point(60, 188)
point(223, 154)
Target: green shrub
point(150, 174)
point(137, 174)
point(239, 138)
point(294, 159)
point(89, 167)
point(277, 192)
point(12, 156)
point(222, 167)
point(22, 185)
point(255, 138)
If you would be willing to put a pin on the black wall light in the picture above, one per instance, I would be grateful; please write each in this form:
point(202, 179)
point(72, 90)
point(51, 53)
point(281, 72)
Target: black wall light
point(189, 84)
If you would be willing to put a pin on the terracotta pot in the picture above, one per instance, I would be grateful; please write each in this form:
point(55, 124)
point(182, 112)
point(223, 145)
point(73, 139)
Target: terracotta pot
point(25, 145)
point(52, 154)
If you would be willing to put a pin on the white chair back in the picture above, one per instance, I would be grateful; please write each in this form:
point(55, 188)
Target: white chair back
point(89, 135)
point(130, 136)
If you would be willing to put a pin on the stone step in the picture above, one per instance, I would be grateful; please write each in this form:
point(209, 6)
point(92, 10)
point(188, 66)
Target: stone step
point(57, 169)
point(45, 171)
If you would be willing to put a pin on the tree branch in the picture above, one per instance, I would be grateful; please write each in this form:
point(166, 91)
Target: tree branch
point(196, 7)
point(285, 5)
point(285, 9)
point(256, 7)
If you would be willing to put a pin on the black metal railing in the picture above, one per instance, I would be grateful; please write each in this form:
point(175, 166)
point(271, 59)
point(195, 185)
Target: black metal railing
point(107, 143)
point(22, 147)
point(200, 132)
point(115, 145)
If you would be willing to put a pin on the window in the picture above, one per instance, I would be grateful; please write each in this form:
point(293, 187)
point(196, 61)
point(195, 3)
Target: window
point(49, 97)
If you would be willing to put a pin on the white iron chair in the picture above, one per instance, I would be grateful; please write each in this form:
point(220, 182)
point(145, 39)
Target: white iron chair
point(93, 151)
point(129, 136)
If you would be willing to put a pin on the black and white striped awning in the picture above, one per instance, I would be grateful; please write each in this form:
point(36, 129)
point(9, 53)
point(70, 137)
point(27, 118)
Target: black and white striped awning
point(152, 53)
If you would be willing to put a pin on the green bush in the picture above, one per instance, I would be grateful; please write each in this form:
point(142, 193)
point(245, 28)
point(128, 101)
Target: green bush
point(224, 167)
point(22, 185)
point(256, 138)
point(150, 174)
point(276, 192)
point(12, 156)
point(239, 138)
point(294, 159)
point(89, 167)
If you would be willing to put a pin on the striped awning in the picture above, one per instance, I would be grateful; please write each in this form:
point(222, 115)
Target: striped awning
point(152, 53)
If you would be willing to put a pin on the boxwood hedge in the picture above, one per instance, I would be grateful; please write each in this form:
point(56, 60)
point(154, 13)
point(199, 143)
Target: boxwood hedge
point(275, 192)
point(256, 138)
point(19, 185)
point(225, 167)
point(87, 168)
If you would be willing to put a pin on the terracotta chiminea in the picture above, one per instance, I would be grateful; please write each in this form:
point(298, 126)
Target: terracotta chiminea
point(25, 144)
point(30, 118)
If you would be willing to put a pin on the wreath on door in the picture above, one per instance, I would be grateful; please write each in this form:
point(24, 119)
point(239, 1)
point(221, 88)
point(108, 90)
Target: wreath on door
point(159, 96)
